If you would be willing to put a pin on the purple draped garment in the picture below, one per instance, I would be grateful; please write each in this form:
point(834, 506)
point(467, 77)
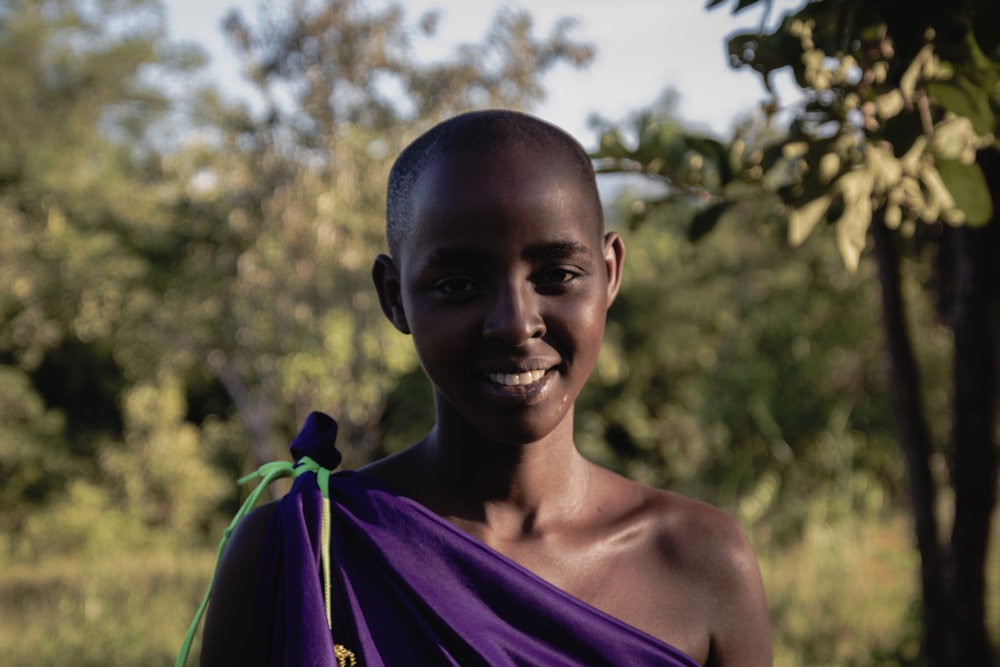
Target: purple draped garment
point(408, 588)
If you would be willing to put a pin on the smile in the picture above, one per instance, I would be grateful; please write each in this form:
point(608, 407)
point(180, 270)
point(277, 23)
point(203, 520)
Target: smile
point(516, 379)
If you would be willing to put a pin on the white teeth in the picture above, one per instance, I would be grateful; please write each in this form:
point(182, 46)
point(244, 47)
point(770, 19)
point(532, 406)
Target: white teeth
point(516, 379)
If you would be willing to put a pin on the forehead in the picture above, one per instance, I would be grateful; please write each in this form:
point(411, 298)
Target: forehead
point(504, 192)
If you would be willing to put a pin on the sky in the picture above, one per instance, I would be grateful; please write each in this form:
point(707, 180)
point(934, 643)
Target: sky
point(643, 47)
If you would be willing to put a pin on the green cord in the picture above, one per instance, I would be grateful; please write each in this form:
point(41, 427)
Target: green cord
point(269, 472)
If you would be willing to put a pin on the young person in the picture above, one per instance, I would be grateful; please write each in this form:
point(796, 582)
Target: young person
point(491, 541)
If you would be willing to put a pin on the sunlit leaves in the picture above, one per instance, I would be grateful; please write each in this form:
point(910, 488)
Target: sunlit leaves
point(803, 220)
point(911, 188)
point(852, 227)
point(878, 82)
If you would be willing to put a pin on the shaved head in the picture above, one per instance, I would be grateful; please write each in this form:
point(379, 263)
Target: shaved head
point(477, 132)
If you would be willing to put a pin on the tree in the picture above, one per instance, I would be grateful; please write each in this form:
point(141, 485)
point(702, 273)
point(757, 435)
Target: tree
point(82, 213)
point(894, 131)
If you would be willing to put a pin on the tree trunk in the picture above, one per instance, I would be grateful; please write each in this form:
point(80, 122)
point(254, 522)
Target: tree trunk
point(914, 439)
point(973, 446)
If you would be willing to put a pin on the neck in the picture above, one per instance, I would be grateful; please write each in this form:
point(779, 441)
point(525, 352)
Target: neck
point(507, 489)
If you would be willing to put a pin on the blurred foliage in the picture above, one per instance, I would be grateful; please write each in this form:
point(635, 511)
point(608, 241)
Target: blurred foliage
point(750, 376)
point(896, 131)
point(760, 377)
point(892, 143)
point(182, 279)
point(166, 303)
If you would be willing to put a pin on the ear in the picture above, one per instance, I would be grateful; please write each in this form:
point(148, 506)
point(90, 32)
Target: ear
point(614, 259)
point(387, 284)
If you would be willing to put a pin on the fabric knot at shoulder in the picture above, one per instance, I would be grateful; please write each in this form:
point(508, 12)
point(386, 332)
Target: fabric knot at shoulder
point(317, 439)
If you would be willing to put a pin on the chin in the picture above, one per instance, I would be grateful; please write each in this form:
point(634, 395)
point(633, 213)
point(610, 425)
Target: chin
point(520, 427)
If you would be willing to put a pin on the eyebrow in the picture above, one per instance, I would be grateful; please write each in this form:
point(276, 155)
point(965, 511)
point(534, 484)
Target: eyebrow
point(455, 256)
point(553, 251)
point(461, 255)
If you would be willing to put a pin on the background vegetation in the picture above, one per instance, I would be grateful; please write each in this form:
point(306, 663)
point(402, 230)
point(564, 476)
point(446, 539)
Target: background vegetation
point(183, 278)
point(893, 145)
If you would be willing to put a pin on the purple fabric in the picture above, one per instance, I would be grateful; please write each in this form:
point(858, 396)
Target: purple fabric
point(411, 589)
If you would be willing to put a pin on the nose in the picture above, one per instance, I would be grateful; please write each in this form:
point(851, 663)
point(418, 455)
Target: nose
point(514, 315)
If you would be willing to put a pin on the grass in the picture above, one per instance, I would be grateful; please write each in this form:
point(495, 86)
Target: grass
point(119, 609)
point(847, 594)
point(843, 595)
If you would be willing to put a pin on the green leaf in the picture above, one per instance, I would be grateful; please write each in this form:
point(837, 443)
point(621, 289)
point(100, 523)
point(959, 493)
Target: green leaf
point(611, 146)
point(705, 220)
point(963, 97)
point(969, 189)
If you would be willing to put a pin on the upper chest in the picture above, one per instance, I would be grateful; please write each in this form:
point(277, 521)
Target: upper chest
point(627, 575)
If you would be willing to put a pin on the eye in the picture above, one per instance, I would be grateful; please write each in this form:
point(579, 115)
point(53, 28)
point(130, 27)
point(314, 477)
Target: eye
point(455, 285)
point(556, 276)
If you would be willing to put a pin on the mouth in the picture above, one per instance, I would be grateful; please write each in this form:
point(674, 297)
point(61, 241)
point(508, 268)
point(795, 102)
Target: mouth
point(516, 379)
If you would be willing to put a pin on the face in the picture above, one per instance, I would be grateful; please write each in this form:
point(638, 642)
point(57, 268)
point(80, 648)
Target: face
point(504, 283)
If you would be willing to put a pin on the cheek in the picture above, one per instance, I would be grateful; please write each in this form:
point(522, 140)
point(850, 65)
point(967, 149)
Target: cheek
point(439, 338)
point(585, 321)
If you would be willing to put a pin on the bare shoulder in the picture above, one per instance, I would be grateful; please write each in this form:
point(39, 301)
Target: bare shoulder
point(231, 618)
point(687, 531)
point(700, 535)
point(704, 569)
point(713, 548)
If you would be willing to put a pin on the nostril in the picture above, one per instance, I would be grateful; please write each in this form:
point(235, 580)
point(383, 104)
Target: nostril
point(515, 333)
point(514, 318)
